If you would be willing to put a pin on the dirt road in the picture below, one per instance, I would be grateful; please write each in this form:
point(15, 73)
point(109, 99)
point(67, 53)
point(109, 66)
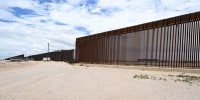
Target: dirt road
point(62, 81)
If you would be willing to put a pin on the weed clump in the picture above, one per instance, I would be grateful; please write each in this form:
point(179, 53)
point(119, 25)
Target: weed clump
point(141, 76)
point(188, 78)
point(163, 79)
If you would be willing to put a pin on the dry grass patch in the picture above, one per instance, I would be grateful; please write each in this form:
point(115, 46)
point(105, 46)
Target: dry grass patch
point(176, 78)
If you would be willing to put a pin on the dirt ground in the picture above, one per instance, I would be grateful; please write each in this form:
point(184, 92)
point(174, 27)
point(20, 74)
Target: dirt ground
point(62, 81)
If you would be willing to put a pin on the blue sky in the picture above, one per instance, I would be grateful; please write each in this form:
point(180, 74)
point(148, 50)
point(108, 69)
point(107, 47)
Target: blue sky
point(27, 26)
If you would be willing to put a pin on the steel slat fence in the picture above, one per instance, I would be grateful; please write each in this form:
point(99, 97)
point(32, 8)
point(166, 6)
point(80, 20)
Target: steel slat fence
point(172, 42)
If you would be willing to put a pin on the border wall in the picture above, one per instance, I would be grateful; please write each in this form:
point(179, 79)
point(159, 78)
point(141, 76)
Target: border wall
point(172, 42)
point(60, 55)
point(21, 57)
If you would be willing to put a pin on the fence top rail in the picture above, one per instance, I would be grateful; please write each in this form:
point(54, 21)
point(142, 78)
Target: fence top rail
point(146, 26)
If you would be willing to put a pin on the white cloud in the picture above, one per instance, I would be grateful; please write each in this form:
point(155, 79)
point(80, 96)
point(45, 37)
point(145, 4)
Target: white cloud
point(31, 34)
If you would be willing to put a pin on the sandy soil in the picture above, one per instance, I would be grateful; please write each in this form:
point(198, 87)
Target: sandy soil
point(62, 81)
